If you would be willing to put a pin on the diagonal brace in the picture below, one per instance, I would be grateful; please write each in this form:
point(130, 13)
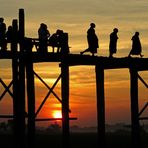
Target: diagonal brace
point(50, 91)
point(49, 87)
point(6, 88)
point(142, 110)
point(146, 85)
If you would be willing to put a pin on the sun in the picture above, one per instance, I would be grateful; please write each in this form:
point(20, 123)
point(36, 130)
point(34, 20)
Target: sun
point(57, 114)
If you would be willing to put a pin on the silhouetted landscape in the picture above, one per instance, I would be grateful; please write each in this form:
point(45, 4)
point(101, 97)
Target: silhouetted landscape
point(88, 140)
point(118, 135)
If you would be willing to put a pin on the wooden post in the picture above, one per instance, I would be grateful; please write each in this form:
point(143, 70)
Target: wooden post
point(19, 125)
point(21, 73)
point(65, 104)
point(134, 108)
point(15, 80)
point(31, 101)
point(100, 106)
point(21, 27)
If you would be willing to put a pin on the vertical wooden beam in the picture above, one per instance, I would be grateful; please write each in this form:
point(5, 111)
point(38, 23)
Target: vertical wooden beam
point(21, 59)
point(21, 27)
point(15, 80)
point(22, 73)
point(65, 103)
point(100, 105)
point(134, 108)
point(19, 119)
point(31, 100)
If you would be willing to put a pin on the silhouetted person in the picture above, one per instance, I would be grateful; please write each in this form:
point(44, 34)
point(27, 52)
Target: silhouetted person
point(43, 37)
point(27, 44)
point(54, 40)
point(113, 42)
point(136, 45)
point(2, 35)
point(9, 34)
point(59, 40)
point(63, 42)
point(92, 40)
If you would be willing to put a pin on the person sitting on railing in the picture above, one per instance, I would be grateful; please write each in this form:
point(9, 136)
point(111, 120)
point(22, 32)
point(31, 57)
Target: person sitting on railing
point(27, 45)
point(63, 46)
point(9, 35)
point(54, 40)
point(59, 40)
point(43, 37)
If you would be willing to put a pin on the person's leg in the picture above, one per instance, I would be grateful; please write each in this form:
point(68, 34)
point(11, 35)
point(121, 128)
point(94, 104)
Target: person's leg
point(86, 50)
point(141, 55)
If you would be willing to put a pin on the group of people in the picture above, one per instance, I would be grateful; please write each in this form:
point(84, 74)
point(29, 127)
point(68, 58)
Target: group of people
point(5, 35)
point(60, 40)
point(93, 42)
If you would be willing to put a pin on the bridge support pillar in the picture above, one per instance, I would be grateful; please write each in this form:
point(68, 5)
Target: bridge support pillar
point(65, 104)
point(100, 105)
point(18, 92)
point(134, 108)
point(31, 101)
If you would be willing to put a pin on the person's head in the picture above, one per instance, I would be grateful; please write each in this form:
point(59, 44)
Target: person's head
point(42, 25)
point(92, 25)
point(115, 30)
point(59, 31)
point(10, 28)
point(137, 33)
point(1, 19)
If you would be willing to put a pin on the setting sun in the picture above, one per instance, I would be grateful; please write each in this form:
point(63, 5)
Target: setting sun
point(57, 114)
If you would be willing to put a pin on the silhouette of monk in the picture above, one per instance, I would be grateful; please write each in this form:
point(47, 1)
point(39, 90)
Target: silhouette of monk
point(3, 43)
point(136, 45)
point(92, 40)
point(9, 34)
point(113, 42)
point(43, 37)
point(27, 44)
point(63, 42)
point(54, 40)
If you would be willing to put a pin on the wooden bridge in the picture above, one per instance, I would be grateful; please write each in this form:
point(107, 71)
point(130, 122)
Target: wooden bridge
point(22, 67)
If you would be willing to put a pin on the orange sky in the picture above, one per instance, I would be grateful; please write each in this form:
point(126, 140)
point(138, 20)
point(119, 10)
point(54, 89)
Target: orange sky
point(73, 18)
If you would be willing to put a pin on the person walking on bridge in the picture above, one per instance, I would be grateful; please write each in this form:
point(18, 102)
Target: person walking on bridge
point(136, 45)
point(92, 40)
point(113, 42)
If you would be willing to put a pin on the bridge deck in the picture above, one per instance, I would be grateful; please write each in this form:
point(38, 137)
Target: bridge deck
point(140, 64)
